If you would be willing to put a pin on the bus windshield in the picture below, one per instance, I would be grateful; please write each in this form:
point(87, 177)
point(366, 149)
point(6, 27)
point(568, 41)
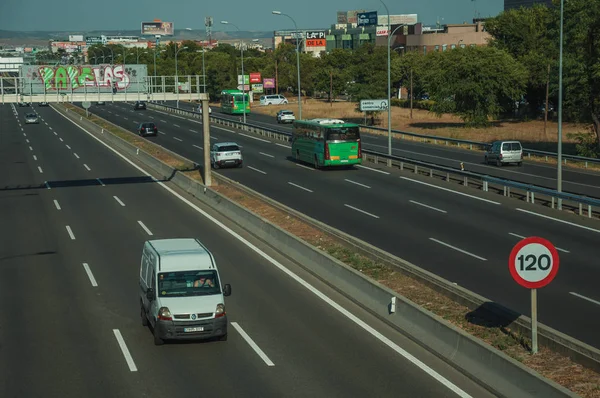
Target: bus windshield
point(343, 134)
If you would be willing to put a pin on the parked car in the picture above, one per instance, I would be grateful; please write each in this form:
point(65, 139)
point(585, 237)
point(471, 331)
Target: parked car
point(147, 128)
point(44, 103)
point(285, 116)
point(139, 105)
point(32, 118)
point(504, 152)
point(276, 99)
point(225, 154)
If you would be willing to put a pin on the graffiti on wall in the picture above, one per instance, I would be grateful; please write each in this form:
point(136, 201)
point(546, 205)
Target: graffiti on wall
point(130, 78)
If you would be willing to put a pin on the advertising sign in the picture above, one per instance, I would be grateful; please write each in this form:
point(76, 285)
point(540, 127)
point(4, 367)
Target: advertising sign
point(373, 105)
point(255, 77)
point(75, 37)
point(93, 40)
point(257, 88)
point(352, 15)
point(382, 31)
point(367, 18)
point(158, 28)
point(342, 17)
point(246, 79)
point(40, 79)
point(316, 39)
point(409, 19)
point(269, 82)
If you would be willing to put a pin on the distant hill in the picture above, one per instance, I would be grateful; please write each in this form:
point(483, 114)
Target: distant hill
point(180, 34)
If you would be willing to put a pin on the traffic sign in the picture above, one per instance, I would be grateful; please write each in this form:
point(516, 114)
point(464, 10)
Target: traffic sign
point(533, 262)
point(86, 104)
point(373, 105)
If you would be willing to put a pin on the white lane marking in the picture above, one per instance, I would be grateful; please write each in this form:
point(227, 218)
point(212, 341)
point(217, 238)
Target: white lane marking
point(116, 114)
point(47, 184)
point(151, 117)
point(86, 166)
point(76, 155)
point(176, 125)
point(125, 350)
point(361, 211)
point(164, 121)
point(585, 298)
point(88, 271)
point(452, 191)
point(70, 233)
point(68, 147)
point(266, 154)
point(427, 206)
point(304, 167)
point(559, 220)
point(457, 249)
point(357, 183)
point(61, 140)
point(55, 133)
point(372, 169)
point(260, 171)
point(50, 127)
point(214, 138)
point(298, 186)
point(35, 158)
point(100, 181)
point(119, 201)
point(353, 318)
point(24, 135)
point(252, 344)
point(193, 131)
point(255, 138)
point(285, 146)
point(196, 146)
point(160, 132)
point(178, 139)
point(109, 111)
point(30, 148)
point(27, 140)
point(56, 204)
point(221, 128)
point(523, 237)
point(46, 123)
point(145, 228)
point(164, 113)
point(125, 118)
point(40, 169)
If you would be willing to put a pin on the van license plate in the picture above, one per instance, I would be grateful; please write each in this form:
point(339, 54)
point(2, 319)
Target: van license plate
point(200, 329)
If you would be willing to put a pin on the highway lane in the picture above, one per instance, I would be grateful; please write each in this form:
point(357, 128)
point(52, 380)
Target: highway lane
point(574, 180)
point(451, 234)
point(309, 357)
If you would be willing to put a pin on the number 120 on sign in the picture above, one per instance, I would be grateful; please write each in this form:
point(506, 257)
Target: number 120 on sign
point(533, 262)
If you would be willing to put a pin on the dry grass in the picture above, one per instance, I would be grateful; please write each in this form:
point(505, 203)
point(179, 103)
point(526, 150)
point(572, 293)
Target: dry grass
point(582, 381)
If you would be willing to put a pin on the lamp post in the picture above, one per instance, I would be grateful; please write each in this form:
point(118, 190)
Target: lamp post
point(389, 78)
point(138, 56)
point(161, 51)
point(297, 61)
point(243, 76)
point(112, 56)
point(560, 96)
point(176, 75)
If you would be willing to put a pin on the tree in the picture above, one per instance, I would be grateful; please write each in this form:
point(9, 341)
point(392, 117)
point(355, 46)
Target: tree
point(409, 69)
point(473, 82)
point(334, 72)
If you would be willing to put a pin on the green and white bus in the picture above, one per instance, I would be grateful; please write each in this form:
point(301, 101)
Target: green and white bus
point(232, 102)
point(326, 142)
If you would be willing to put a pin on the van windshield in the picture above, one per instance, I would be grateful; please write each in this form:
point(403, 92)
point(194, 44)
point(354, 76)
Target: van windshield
point(188, 283)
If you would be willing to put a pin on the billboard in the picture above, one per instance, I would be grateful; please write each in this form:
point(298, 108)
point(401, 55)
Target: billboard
point(342, 17)
point(367, 18)
point(316, 39)
point(382, 31)
point(75, 37)
point(158, 28)
point(255, 77)
point(40, 79)
point(94, 40)
point(352, 15)
point(268, 82)
point(246, 80)
point(409, 19)
point(257, 88)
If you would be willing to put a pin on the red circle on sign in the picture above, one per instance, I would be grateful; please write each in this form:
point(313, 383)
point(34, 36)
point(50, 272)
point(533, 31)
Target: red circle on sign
point(512, 262)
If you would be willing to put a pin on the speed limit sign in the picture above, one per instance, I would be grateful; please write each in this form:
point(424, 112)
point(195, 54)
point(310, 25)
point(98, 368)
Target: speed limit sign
point(533, 262)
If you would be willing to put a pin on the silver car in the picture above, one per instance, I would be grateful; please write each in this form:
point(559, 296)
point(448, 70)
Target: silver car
point(504, 152)
point(226, 154)
point(32, 118)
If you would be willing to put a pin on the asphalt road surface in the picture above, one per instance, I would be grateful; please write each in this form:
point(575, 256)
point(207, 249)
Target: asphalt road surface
point(460, 234)
point(74, 218)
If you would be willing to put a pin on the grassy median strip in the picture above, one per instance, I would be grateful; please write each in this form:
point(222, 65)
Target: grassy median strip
point(583, 381)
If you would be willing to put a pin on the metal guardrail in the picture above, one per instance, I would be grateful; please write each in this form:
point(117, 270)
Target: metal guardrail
point(579, 203)
point(483, 145)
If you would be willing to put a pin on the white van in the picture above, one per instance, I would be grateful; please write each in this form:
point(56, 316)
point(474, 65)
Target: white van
point(181, 294)
point(276, 99)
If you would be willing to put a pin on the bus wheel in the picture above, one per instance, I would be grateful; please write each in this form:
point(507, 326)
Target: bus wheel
point(297, 155)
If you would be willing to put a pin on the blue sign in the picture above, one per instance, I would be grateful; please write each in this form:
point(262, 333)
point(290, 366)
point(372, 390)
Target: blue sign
point(367, 18)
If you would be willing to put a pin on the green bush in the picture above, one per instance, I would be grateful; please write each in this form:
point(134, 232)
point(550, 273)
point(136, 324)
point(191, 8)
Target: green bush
point(587, 144)
point(417, 104)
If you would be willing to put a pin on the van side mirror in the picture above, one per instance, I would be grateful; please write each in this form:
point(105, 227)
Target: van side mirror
point(150, 294)
point(227, 290)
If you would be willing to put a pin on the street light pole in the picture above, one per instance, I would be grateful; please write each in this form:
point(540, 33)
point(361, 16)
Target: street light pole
point(297, 61)
point(176, 74)
point(243, 76)
point(203, 71)
point(389, 78)
point(560, 97)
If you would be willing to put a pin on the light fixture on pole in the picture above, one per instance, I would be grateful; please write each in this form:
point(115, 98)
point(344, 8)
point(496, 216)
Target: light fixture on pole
point(243, 76)
point(297, 60)
point(560, 97)
point(176, 74)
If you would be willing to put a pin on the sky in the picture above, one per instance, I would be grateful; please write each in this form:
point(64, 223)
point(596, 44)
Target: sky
point(252, 15)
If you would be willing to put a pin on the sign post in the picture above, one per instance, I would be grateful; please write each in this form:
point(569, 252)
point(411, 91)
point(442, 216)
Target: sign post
point(86, 105)
point(533, 264)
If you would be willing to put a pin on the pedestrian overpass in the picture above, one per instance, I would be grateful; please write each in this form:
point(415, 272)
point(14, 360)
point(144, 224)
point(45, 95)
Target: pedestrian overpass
point(73, 83)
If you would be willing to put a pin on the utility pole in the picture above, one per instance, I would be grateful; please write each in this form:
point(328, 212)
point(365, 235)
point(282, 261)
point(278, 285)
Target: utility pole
point(547, 96)
point(411, 92)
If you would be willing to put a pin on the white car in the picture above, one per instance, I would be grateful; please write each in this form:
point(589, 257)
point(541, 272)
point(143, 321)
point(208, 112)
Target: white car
point(225, 154)
point(199, 110)
point(285, 116)
point(276, 99)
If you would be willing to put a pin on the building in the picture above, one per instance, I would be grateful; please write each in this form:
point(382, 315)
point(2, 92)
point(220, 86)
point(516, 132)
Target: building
point(512, 4)
point(449, 37)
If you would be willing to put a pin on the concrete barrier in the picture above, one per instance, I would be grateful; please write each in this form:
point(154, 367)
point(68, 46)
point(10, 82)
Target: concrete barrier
point(493, 369)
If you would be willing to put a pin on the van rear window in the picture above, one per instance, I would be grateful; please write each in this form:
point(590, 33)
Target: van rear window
point(511, 146)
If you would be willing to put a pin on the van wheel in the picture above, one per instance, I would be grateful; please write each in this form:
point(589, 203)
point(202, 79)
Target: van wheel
point(223, 338)
point(498, 163)
point(215, 165)
point(157, 339)
point(143, 315)
point(519, 164)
